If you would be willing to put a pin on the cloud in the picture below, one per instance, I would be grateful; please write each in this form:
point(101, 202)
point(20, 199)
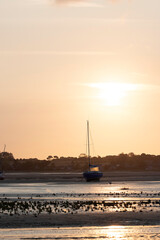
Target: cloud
point(66, 2)
point(59, 53)
point(123, 85)
point(116, 1)
point(76, 3)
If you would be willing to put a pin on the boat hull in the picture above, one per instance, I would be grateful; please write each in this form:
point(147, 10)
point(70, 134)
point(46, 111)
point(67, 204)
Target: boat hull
point(92, 175)
point(1, 176)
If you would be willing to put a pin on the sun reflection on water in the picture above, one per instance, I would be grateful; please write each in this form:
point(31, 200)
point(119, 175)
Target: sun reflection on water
point(114, 232)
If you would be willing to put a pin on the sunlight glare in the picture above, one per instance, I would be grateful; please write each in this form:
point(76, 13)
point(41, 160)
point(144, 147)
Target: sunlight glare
point(112, 93)
point(114, 232)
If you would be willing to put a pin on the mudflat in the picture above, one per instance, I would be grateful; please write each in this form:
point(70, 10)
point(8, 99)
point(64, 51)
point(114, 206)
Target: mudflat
point(84, 219)
point(78, 177)
point(58, 219)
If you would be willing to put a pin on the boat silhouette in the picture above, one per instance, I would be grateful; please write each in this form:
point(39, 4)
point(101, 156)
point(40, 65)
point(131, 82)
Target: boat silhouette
point(93, 173)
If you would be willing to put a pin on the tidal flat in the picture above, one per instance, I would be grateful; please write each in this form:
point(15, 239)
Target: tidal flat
point(48, 206)
point(66, 204)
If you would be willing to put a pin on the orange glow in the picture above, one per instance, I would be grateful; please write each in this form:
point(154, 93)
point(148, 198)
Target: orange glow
point(111, 93)
point(50, 49)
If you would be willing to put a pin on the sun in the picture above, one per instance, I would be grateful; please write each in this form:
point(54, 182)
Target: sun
point(112, 93)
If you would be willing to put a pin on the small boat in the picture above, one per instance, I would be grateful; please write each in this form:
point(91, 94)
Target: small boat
point(93, 174)
point(1, 175)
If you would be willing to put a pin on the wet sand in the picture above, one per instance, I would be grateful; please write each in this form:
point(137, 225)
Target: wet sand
point(78, 177)
point(79, 219)
point(87, 219)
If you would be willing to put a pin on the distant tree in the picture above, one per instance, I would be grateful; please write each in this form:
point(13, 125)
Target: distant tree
point(82, 155)
point(49, 157)
point(7, 160)
point(131, 154)
point(6, 155)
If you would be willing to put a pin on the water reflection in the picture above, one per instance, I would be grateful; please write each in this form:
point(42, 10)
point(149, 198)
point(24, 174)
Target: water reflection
point(104, 190)
point(83, 233)
point(116, 187)
point(113, 232)
point(129, 232)
point(88, 198)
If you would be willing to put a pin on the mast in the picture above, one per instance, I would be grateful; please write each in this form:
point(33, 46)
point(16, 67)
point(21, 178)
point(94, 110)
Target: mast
point(4, 148)
point(88, 141)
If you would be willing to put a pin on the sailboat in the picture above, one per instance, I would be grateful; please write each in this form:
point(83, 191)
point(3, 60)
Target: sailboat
point(93, 174)
point(1, 175)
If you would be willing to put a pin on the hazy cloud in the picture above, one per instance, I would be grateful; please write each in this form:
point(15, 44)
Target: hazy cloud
point(82, 2)
point(57, 53)
point(77, 3)
point(65, 2)
point(126, 86)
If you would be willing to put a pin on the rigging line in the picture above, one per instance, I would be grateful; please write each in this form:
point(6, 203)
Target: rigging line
point(92, 143)
point(86, 143)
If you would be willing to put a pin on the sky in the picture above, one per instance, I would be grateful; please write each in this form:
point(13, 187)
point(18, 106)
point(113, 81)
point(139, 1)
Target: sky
point(63, 62)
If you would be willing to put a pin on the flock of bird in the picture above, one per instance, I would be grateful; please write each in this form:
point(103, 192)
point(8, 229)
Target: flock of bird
point(36, 207)
point(61, 195)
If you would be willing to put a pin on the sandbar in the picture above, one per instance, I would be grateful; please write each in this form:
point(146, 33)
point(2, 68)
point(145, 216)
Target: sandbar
point(80, 220)
point(78, 177)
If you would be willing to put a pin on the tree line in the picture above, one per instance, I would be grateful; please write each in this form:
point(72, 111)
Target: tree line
point(121, 162)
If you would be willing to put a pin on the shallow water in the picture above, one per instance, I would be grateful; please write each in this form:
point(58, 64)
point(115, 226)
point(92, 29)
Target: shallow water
point(80, 197)
point(99, 191)
point(115, 192)
point(86, 233)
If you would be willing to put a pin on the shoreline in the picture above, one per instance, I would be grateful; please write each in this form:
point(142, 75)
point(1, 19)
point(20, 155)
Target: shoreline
point(108, 177)
point(81, 220)
point(74, 219)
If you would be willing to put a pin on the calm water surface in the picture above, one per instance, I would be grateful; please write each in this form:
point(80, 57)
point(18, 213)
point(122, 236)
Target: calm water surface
point(120, 190)
point(73, 191)
point(86, 233)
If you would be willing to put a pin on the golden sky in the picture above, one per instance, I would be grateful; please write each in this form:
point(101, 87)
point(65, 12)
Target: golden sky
point(65, 61)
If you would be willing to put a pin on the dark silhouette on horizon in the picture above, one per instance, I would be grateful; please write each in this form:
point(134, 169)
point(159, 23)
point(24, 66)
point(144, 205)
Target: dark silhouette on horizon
point(121, 162)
